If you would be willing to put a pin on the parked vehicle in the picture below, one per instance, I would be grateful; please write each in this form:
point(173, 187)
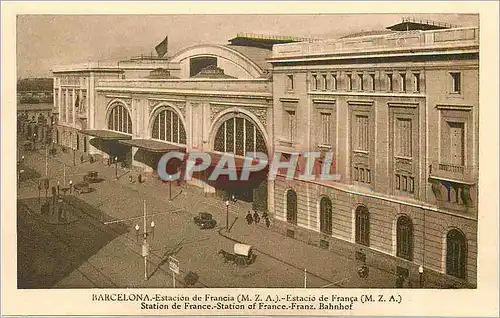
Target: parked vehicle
point(91, 177)
point(242, 256)
point(82, 187)
point(204, 220)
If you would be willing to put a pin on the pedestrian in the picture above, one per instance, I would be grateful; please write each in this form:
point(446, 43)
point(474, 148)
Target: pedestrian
point(58, 187)
point(233, 198)
point(249, 218)
point(268, 222)
point(59, 213)
point(70, 186)
point(256, 217)
point(130, 179)
point(139, 178)
point(400, 281)
point(81, 159)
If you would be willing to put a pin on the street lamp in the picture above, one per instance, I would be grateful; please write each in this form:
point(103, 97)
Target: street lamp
point(116, 167)
point(227, 215)
point(421, 276)
point(145, 246)
point(34, 141)
point(74, 154)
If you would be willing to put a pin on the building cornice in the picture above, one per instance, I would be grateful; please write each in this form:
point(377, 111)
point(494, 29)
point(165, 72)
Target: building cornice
point(185, 92)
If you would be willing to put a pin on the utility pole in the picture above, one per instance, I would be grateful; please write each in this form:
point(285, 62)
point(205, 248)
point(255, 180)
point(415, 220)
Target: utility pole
point(46, 161)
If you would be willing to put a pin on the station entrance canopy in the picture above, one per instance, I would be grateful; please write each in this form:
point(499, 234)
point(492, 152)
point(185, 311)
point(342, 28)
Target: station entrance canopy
point(107, 134)
point(152, 145)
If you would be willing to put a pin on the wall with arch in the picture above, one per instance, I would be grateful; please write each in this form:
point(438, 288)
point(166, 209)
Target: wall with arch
point(234, 63)
point(429, 227)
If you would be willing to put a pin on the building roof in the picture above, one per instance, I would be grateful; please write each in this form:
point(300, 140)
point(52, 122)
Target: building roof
point(367, 33)
point(263, 40)
point(409, 24)
point(257, 55)
point(212, 71)
point(35, 85)
point(34, 107)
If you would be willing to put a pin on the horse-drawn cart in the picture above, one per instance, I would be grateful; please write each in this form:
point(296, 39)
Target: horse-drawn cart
point(243, 255)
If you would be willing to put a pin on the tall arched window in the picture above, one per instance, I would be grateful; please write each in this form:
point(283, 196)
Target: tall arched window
point(325, 211)
point(119, 119)
point(168, 126)
point(404, 238)
point(238, 136)
point(291, 207)
point(363, 226)
point(456, 253)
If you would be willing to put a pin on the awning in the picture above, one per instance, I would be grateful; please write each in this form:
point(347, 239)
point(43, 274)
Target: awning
point(107, 134)
point(238, 161)
point(152, 145)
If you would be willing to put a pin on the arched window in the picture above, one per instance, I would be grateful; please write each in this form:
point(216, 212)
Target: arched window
point(168, 126)
point(239, 136)
point(291, 207)
point(325, 211)
point(119, 119)
point(456, 253)
point(404, 238)
point(362, 226)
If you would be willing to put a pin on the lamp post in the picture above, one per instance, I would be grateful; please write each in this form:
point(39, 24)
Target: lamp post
point(421, 276)
point(34, 141)
point(227, 215)
point(145, 246)
point(74, 154)
point(116, 167)
point(170, 187)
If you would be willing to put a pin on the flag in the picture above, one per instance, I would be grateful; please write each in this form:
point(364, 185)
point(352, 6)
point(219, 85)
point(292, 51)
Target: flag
point(161, 49)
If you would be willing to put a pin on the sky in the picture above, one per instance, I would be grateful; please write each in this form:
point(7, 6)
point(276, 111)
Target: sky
point(46, 40)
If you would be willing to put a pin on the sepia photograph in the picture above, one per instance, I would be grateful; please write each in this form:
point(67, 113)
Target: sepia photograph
point(327, 151)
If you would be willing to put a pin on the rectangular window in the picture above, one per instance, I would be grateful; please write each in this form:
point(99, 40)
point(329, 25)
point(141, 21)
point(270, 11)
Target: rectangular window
point(314, 82)
point(416, 82)
point(355, 174)
point(389, 82)
point(362, 133)
point(404, 183)
point(397, 182)
point(289, 85)
point(372, 81)
point(324, 81)
point(456, 82)
point(325, 128)
point(291, 124)
point(361, 84)
point(403, 138)
point(349, 82)
point(362, 175)
point(411, 184)
point(334, 81)
point(368, 176)
point(403, 82)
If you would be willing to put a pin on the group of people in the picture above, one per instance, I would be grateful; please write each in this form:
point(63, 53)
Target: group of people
point(255, 218)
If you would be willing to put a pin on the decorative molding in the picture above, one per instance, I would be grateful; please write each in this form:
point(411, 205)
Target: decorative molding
point(360, 102)
point(324, 101)
point(454, 107)
point(179, 104)
point(216, 109)
point(261, 114)
point(403, 104)
point(289, 100)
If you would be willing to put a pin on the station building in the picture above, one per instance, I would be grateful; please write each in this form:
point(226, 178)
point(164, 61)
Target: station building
point(397, 108)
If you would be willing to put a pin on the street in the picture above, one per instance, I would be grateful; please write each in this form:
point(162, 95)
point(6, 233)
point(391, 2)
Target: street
point(93, 248)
